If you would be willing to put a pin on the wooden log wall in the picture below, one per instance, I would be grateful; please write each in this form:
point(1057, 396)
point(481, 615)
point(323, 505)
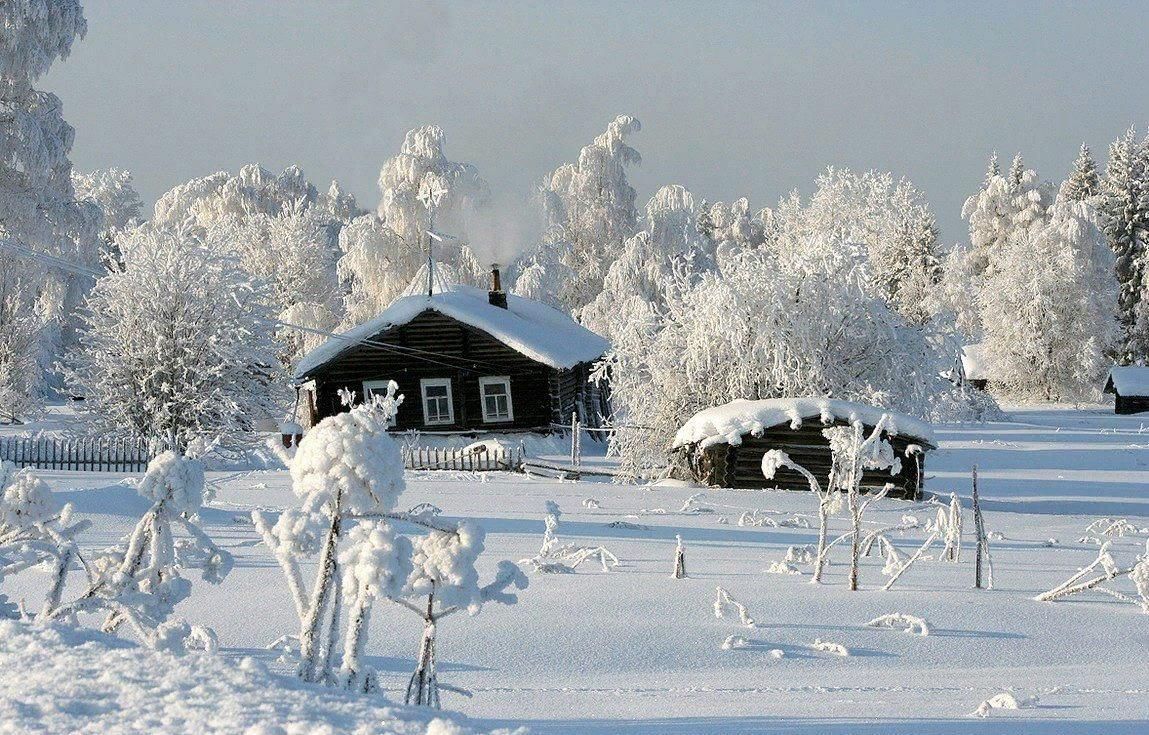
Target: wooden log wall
point(740, 466)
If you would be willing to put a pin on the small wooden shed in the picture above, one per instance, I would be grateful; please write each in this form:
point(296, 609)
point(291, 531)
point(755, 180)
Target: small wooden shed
point(1130, 386)
point(975, 366)
point(723, 446)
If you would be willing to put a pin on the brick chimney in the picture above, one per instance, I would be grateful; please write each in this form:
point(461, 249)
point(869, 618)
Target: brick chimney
point(496, 296)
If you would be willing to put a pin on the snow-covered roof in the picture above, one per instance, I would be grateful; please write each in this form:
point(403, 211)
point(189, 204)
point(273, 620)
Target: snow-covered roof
point(1130, 380)
point(973, 362)
point(531, 328)
point(727, 424)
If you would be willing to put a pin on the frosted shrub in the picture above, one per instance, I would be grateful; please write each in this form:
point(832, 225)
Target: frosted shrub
point(140, 581)
point(348, 474)
point(853, 452)
point(34, 531)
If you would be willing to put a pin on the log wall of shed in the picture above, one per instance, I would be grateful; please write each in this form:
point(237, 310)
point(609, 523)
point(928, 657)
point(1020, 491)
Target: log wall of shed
point(740, 466)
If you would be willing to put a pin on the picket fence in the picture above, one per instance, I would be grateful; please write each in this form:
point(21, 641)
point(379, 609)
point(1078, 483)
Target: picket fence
point(437, 458)
point(104, 454)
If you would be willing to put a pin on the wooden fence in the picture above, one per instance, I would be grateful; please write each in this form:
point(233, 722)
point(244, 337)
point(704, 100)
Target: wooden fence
point(87, 455)
point(436, 458)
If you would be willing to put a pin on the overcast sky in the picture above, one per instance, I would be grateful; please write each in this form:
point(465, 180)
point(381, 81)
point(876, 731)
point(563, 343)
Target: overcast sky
point(736, 99)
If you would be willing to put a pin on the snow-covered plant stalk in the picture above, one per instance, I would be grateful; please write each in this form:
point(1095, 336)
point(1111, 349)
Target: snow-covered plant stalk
point(723, 601)
point(951, 525)
point(982, 555)
point(557, 558)
point(896, 575)
point(349, 473)
point(1081, 582)
point(679, 559)
point(829, 499)
point(858, 453)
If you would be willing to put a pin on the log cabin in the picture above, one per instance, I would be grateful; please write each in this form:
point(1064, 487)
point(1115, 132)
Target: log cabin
point(1130, 387)
point(723, 446)
point(466, 360)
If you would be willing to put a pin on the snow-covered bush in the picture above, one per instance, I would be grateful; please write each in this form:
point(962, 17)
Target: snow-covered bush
point(34, 531)
point(140, 581)
point(901, 621)
point(724, 603)
point(348, 475)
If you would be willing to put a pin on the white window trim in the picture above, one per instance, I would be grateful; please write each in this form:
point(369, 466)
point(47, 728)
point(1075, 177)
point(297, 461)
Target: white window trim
point(429, 382)
point(493, 380)
point(379, 386)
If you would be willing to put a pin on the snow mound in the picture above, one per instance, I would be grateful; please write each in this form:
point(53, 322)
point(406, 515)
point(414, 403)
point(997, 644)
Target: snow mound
point(85, 682)
point(529, 327)
point(1004, 700)
point(727, 424)
point(830, 647)
point(901, 621)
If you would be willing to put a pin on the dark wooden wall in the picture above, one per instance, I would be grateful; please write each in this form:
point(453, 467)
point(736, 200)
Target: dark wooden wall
point(539, 393)
point(1130, 404)
point(724, 465)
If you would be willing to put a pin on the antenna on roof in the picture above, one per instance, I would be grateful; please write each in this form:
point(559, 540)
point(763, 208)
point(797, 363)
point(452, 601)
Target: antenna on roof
point(432, 189)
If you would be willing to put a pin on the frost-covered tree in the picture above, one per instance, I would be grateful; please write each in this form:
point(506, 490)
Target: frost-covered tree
point(1123, 204)
point(201, 202)
point(589, 207)
point(382, 252)
point(635, 286)
point(177, 343)
point(794, 320)
point(1048, 309)
point(38, 208)
point(377, 264)
point(1083, 182)
point(1007, 210)
point(120, 206)
point(289, 252)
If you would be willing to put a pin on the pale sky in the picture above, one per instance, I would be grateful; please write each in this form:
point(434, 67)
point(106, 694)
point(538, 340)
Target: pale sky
point(736, 99)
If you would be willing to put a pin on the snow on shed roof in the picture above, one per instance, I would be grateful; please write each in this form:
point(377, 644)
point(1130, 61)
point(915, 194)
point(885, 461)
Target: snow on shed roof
point(974, 363)
point(531, 328)
point(1130, 380)
point(727, 424)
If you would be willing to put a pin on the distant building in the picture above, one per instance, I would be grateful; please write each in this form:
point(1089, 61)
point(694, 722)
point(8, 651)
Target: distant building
point(723, 446)
point(1130, 385)
point(974, 366)
point(466, 361)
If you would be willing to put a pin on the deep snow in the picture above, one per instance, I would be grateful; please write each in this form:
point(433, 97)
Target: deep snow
point(634, 651)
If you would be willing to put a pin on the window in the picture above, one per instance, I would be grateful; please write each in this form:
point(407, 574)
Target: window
point(437, 405)
point(377, 387)
point(496, 397)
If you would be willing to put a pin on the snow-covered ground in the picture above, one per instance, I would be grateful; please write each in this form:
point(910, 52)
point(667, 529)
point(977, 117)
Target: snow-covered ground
point(634, 651)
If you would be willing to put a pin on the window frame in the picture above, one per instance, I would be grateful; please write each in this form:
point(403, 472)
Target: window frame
point(504, 380)
point(424, 384)
point(381, 385)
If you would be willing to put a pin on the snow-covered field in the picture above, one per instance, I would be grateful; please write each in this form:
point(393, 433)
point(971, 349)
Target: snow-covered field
point(634, 651)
